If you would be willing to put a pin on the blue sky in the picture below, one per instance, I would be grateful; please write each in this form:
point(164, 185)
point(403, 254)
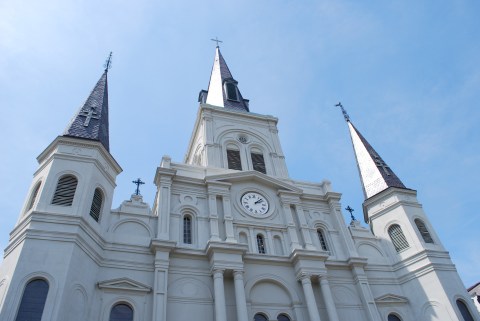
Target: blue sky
point(407, 72)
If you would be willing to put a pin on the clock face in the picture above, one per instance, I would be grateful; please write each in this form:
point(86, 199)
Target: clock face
point(254, 203)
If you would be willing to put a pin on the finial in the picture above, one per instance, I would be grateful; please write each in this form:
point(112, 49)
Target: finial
point(349, 209)
point(138, 182)
point(217, 41)
point(108, 63)
point(345, 115)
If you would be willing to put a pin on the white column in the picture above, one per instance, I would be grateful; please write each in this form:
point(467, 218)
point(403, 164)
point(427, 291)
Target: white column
point(213, 217)
point(292, 231)
point(327, 297)
point(307, 237)
point(310, 298)
point(219, 289)
point(240, 300)
point(227, 210)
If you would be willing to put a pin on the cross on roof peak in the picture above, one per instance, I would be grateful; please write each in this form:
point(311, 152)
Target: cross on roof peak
point(217, 41)
point(138, 182)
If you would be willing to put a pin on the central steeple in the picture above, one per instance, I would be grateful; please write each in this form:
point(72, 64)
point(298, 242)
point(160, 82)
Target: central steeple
point(223, 88)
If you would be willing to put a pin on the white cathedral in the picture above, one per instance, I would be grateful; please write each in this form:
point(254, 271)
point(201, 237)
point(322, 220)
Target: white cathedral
point(229, 237)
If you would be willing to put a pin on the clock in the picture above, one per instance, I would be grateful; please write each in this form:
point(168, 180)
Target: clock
point(254, 203)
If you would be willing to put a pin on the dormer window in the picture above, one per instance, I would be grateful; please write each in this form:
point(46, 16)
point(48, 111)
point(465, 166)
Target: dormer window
point(231, 91)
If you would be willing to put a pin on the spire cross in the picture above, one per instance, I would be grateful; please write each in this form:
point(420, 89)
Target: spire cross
point(349, 209)
point(138, 182)
point(344, 112)
point(381, 164)
point(216, 40)
point(108, 63)
point(89, 115)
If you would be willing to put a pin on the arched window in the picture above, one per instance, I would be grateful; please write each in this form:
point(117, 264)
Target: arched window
point(65, 190)
point(261, 244)
point(464, 311)
point(121, 312)
point(187, 229)
point(398, 238)
point(33, 301)
point(33, 197)
point(96, 207)
point(260, 317)
point(283, 317)
point(323, 241)
point(258, 162)
point(393, 317)
point(423, 231)
point(231, 91)
point(233, 157)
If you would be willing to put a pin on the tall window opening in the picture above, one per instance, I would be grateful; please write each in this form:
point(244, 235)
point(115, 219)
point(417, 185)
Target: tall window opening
point(393, 317)
point(258, 162)
point(33, 197)
point(233, 158)
point(398, 238)
point(33, 301)
point(261, 244)
point(422, 228)
point(232, 93)
point(283, 317)
point(323, 241)
point(259, 317)
point(96, 206)
point(121, 312)
point(466, 315)
point(65, 190)
point(187, 229)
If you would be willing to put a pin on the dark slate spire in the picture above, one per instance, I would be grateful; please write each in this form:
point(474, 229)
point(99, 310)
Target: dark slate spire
point(375, 174)
point(222, 89)
point(91, 120)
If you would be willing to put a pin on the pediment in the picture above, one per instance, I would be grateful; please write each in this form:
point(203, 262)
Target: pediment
point(124, 284)
point(391, 299)
point(253, 176)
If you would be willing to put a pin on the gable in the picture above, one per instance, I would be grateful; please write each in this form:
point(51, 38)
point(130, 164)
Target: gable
point(124, 284)
point(391, 299)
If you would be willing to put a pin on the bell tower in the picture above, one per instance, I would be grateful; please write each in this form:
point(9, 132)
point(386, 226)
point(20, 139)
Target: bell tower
point(65, 213)
point(228, 135)
point(397, 218)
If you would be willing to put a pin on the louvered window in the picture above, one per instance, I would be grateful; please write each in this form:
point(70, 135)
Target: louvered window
point(65, 191)
point(187, 230)
point(258, 163)
point(121, 312)
point(231, 91)
point(259, 317)
point(96, 204)
point(423, 231)
point(261, 244)
point(323, 242)
point(233, 158)
point(398, 238)
point(33, 301)
point(33, 197)
point(466, 315)
point(283, 317)
point(393, 317)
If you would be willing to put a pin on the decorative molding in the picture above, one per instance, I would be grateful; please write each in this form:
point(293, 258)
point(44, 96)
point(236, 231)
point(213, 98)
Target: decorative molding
point(124, 284)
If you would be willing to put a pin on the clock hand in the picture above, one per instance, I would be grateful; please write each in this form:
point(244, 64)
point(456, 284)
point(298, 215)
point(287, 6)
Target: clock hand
point(258, 201)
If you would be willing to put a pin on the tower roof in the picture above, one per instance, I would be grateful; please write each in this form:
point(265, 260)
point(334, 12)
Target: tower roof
point(91, 120)
point(222, 89)
point(375, 174)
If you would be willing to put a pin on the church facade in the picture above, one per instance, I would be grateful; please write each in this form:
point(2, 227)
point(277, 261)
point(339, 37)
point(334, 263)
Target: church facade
point(229, 236)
